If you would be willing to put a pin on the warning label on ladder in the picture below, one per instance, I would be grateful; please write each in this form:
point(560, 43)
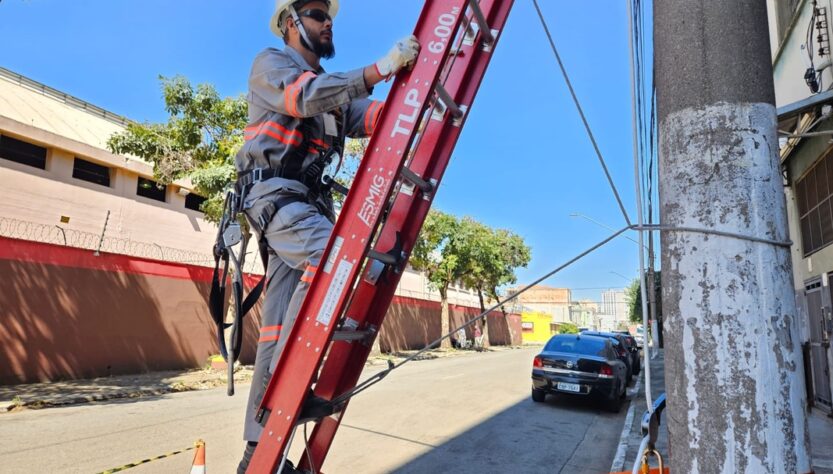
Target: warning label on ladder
point(325, 314)
point(331, 259)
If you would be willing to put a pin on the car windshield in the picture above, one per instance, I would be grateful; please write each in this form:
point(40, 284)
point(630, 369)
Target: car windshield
point(578, 345)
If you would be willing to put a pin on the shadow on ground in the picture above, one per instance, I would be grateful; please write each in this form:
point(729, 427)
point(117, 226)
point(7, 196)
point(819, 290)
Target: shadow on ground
point(564, 434)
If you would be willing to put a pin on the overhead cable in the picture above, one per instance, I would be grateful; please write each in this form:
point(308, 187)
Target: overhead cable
point(581, 113)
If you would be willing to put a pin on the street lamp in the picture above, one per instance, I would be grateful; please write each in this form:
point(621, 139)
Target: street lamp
point(623, 276)
point(578, 214)
point(647, 248)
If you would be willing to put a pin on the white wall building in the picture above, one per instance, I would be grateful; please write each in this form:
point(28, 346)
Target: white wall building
point(613, 311)
point(800, 42)
point(62, 186)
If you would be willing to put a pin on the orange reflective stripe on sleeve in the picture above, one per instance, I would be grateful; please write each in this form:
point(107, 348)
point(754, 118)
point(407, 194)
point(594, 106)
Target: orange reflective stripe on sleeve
point(371, 116)
point(290, 94)
point(271, 328)
point(274, 130)
point(306, 279)
point(273, 337)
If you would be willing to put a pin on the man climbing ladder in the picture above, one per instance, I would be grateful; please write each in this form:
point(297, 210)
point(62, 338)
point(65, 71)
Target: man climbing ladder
point(299, 116)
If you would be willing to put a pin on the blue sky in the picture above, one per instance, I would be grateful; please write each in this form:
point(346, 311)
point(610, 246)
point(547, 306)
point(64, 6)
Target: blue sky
point(523, 162)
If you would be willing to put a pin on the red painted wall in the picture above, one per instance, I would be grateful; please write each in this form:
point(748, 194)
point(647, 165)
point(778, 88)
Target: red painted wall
point(67, 314)
point(413, 323)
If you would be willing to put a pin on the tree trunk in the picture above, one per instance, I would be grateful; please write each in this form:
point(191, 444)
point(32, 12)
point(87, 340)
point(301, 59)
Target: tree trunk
point(485, 319)
point(445, 317)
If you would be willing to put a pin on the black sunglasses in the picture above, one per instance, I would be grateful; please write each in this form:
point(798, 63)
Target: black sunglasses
point(318, 15)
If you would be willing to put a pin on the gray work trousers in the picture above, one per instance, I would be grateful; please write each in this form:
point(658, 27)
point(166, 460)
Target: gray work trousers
point(297, 236)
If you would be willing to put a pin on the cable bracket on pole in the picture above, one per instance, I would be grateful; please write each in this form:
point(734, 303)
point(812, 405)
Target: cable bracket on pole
point(664, 228)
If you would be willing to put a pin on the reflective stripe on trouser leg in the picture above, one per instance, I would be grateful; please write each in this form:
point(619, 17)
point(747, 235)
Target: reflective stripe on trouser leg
point(279, 290)
point(297, 235)
point(309, 272)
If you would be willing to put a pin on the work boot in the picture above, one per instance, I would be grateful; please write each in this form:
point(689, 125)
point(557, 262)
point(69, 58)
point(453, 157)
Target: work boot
point(247, 457)
point(316, 408)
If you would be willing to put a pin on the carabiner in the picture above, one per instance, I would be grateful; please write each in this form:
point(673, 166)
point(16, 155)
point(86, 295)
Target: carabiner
point(646, 468)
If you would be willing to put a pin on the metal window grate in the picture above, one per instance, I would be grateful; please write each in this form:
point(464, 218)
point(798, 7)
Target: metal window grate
point(22, 152)
point(151, 189)
point(814, 196)
point(92, 172)
point(194, 201)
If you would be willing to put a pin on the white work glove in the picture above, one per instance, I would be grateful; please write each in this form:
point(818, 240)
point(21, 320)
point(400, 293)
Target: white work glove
point(403, 54)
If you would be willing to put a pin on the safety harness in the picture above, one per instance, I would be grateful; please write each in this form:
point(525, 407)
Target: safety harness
point(229, 233)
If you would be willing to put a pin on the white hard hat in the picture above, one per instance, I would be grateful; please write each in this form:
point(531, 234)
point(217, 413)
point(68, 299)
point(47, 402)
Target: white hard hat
point(281, 5)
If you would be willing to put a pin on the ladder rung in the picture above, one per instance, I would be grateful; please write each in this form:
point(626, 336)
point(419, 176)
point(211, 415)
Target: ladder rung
point(448, 102)
point(385, 258)
point(351, 335)
point(417, 181)
point(485, 30)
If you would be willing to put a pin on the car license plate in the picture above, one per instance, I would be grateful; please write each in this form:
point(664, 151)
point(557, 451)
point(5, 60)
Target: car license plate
point(569, 387)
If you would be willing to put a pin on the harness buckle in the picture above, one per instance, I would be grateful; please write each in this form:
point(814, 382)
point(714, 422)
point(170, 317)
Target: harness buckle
point(257, 175)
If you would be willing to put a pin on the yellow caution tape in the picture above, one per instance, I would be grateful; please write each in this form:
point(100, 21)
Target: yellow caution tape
point(145, 461)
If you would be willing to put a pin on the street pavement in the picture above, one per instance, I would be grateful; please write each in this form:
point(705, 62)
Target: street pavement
point(470, 413)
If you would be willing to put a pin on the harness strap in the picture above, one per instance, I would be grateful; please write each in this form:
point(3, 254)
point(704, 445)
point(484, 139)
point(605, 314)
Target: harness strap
point(217, 296)
point(249, 178)
point(292, 169)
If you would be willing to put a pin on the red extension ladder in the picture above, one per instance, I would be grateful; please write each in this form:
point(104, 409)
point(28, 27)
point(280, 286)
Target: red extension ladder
point(379, 223)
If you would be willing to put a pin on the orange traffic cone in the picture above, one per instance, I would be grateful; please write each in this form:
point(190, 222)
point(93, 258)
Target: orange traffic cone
point(198, 466)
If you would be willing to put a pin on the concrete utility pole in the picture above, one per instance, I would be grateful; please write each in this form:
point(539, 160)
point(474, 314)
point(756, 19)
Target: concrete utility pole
point(652, 296)
point(736, 397)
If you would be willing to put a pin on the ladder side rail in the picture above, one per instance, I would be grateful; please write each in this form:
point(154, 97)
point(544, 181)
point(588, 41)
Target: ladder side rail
point(442, 138)
point(345, 362)
point(353, 232)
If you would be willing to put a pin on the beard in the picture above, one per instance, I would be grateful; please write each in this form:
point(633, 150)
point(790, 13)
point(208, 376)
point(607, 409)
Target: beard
point(321, 49)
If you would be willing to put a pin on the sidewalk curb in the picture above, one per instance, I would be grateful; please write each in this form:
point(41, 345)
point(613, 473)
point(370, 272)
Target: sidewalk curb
point(621, 450)
point(102, 397)
point(34, 402)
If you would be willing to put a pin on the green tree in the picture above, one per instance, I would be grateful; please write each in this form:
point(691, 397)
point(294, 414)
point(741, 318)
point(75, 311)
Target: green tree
point(438, 252)
point(567, 328)
point(198, 142)
point(634, 295)
point(490, 258)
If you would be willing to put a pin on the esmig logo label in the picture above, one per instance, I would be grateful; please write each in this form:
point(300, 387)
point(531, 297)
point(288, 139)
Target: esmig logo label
point(373, 201)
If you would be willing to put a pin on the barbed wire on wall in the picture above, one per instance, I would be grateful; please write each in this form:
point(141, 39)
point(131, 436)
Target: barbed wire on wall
point(57, 235)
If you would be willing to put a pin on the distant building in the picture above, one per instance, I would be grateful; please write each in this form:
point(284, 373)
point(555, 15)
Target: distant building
point(62, 186)
point(583, 313)
point(536, 326)
point(800, 33)
point(549, 300)
point(613, 313)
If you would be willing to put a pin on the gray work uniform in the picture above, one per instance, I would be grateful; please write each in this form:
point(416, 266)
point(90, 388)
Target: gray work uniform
point(288, 99)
